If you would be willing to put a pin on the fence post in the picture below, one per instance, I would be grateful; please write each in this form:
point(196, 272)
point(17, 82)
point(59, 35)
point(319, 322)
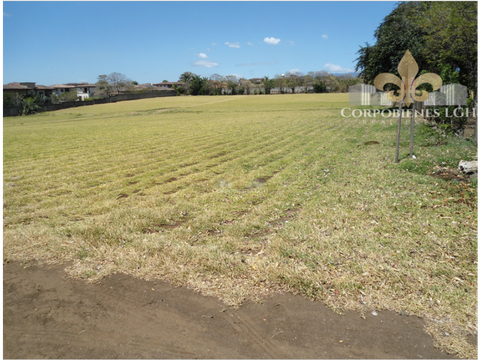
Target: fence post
point(399, 127)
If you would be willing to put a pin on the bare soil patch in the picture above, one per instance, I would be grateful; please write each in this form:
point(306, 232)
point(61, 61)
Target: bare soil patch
point(48, 316)
point(449, 174)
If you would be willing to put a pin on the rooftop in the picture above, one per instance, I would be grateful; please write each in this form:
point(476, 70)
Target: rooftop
point(15, 86)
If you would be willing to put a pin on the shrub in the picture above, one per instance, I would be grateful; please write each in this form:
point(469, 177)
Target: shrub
point(68, 96)
point(8, 99)
point(41, 100)
point(319, 87)
point(451, 117)
point(17, 99)
point(29, 106)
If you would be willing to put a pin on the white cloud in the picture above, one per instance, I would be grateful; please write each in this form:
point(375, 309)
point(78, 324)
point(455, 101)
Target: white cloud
point(249, 43)
point(202, 55)
point(291, 42)
point(5, 14)
point(232, 45)
point(204, 63)
point(213, 44)
point(337, 69)
point(271, 40)
point(325, 36)
point(294, 71)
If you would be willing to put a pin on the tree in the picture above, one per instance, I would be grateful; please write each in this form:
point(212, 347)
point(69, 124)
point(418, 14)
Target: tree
point(107, 85)
point(319, 87)
point(29, 106)
point(268, 84)
point(41, 100)
point(281, 83)
point(320, 75)
point(232, 83)
point(17, 99)
point(186, 78)
point(442, 37)
point(399, 32)
point(118, 81)
point(7, 99)
point(216, 83)
point(451, 39)
point(68, 96)
point(104, 89)
point(246, 85)
point(308, 81)
point(199, 86)
point(180, 89)
point(134, 83)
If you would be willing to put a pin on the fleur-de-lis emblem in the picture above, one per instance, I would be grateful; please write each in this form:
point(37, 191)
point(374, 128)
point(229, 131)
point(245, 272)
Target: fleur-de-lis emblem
point(408, 69)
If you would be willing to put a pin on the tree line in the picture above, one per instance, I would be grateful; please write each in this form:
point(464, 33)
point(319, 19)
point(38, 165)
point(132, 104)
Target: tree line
point(216, 84)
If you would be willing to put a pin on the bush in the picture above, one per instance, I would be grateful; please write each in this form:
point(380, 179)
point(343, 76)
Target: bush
point(41, 100)
point(8, 99)
point(29, 106)
point(68, 96)
point(180, 90)
point(319, 87)
point(451, 117)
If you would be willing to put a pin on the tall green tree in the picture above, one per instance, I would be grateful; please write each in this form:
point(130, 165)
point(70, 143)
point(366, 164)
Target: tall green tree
point(451, 39)
point(199, 85)
point(268, 84)
point(400, 31)
point(186, 78)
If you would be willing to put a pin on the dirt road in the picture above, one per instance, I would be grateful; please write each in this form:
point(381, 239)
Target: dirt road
point(46, 316)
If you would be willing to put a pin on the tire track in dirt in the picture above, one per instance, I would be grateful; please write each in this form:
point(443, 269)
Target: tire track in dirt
point(244, 325)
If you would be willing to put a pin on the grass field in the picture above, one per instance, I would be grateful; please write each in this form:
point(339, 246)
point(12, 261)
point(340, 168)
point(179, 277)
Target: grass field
point(242, 196)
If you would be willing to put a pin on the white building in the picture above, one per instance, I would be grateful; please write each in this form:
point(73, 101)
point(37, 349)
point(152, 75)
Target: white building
point(84, 90)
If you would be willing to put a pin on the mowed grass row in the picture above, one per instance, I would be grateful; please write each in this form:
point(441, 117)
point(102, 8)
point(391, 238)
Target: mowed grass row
point(239, 197)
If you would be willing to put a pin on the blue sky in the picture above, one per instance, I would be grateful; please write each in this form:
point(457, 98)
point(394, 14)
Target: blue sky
point(61, 42)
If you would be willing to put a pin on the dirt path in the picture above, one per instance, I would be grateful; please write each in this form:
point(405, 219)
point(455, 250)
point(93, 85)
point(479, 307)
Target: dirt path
point(46, 316)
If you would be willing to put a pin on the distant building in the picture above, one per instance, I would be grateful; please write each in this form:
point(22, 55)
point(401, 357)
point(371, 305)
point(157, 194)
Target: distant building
point(84, 90)
point(43, 90)
point(17, 88)
point(168, 85)
point(60, 89)
point(27, 88)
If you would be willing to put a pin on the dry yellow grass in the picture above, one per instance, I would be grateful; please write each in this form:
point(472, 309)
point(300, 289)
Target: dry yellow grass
point(238, 197)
